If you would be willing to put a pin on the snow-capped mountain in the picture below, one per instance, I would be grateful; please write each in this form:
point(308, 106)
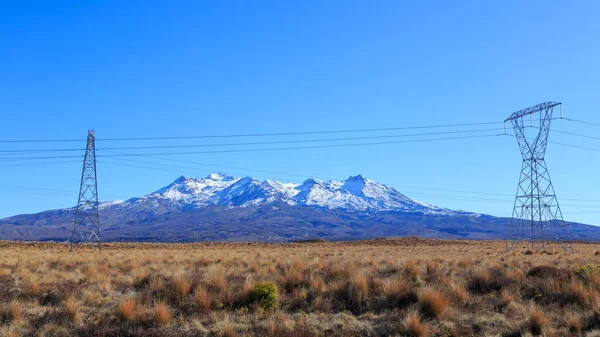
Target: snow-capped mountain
point(223, 208)
point(354, 194)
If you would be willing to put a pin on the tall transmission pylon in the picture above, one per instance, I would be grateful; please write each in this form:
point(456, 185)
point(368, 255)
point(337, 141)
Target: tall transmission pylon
point(86, 226)
point(536, 215)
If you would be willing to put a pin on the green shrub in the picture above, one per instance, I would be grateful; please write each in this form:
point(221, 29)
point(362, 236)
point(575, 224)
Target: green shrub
point(266, 294)
point(588, 269)
point(244, 311)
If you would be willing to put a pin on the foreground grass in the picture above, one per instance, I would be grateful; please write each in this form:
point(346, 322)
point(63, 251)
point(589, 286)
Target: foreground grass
point(400, 287)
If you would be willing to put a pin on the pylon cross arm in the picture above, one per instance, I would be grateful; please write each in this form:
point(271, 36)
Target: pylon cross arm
point(531, 110)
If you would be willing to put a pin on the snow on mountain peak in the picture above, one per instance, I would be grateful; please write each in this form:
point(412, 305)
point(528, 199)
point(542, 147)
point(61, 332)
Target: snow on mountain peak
point(220, 177)
point(312, 181)
point(182, 179)
point(353, 194)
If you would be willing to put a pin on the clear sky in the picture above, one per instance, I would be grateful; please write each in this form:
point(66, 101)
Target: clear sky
point(146, 68)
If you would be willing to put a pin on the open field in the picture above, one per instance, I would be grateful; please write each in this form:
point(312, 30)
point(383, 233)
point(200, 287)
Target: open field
point(388, 287)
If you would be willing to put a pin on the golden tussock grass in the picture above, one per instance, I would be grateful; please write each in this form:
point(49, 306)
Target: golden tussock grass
point(412, 269)
point(228, 330)
point(217, 280)
point(574, 323)
point(202, 298)
point(35, 289)
point(537, 320)
point(72, 309)
point(358, 287)
point(182, 286)
point(460, 292)
point(433, 303)
point(405, 287)
point(506, 299)
point(162, 314)
point(12, 313)
point(579, 291)
point(413, 326)
point(126, 308)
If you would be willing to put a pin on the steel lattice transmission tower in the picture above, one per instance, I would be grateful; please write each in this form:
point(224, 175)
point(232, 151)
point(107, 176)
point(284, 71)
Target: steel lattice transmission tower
point(536, 214)
point(86, 226)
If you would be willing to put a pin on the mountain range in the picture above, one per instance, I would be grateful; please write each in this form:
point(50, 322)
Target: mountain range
point(225, 208)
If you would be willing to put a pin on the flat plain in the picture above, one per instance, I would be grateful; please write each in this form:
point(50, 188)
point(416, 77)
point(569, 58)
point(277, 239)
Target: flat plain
point(384, 287)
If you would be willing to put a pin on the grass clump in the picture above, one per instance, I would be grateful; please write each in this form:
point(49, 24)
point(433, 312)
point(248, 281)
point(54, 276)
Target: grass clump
point(484, 280)
point(413, 326)
point(126, 309)
point(182, 287)
point(13, 312)
point(433, 303)
point(202, 298)
point(72, 309)
point(162, 314)
point(358, 288)
point(574, 324)
point(537, 320)
point(400, 294)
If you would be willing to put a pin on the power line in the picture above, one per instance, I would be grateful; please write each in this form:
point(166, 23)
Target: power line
point(575, 134)
point(299, 132)
point(252, 134)
point(411, 194)
point(48, 194)
point(254, 143)
point(296, 141)
point(62, 193)
point(283, 173)
point(274, 172)
point(52, 191)
point(195, 171)
point(564, 144)
point(576, 146)
point(419, 194)
point(41, 140)
point(567, 133)
point(206, 164)
point(42, 163)
point(261, 149)
point(42, 189)
point(300, 147)
point(396, 186)
point(580, 121)
point(34, 158)
point(290, 141)
point(39, 150)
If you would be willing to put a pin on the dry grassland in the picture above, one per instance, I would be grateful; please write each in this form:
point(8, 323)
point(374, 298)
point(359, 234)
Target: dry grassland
point(390, 287)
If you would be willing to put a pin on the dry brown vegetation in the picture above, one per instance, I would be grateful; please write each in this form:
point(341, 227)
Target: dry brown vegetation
point(388, 287)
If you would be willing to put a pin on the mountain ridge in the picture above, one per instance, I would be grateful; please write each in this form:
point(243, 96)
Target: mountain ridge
point(354, 193)
point(220, 207)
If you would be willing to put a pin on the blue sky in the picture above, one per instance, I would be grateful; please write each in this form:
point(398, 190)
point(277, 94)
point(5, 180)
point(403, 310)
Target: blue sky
point(136, 69)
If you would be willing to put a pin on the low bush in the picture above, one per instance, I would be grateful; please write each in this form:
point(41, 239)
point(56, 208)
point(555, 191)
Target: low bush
point(586, 270)
point(484, 281)
point(549, 272)
point(266, 294)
